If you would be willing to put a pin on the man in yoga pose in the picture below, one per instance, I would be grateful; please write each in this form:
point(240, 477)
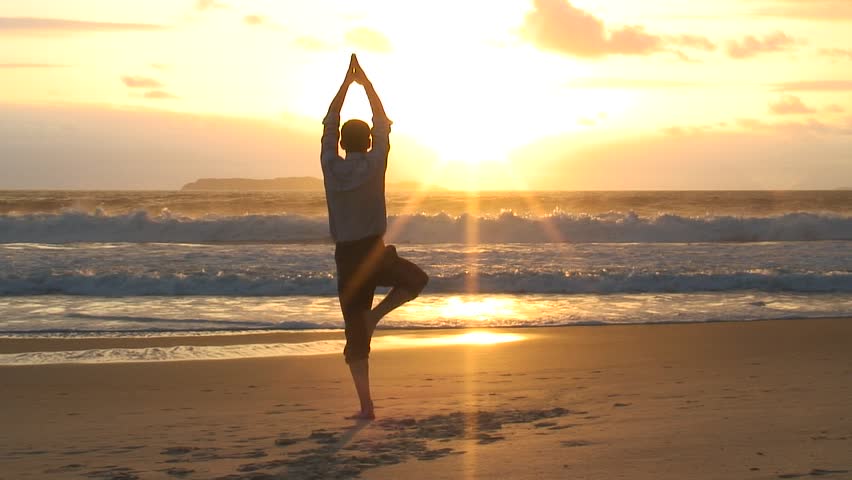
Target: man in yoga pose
point(357, 218)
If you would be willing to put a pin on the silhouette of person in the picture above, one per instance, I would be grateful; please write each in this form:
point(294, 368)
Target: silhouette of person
point(357, 218)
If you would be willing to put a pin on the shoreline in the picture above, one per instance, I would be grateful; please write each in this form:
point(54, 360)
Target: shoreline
point(27, 343)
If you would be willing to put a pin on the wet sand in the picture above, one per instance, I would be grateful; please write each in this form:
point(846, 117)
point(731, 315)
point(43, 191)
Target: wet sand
point(758, 400)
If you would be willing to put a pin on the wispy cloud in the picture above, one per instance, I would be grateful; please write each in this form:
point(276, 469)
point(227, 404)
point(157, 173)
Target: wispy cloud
point(254, 20)
point(261, 21)
point(751, 46)
point(141, 82)
point(829, 10)
point(32, 65)
point(312, 43)
point(789, 105)
point(48, 25)
point(693, 41)
point(687, 130)
point(629, 83)
point(809, 126)
point(559, 26)
point(155, 89)
point(160, 95)
point(814, 86)
point(841, 53)
point(204, 5)
point(368, 39)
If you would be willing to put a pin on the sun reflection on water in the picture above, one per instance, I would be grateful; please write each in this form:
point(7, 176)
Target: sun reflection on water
point(484, 308)
point(468, 308)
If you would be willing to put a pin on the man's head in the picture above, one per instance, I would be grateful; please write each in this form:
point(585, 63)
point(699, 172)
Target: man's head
point(355, 136)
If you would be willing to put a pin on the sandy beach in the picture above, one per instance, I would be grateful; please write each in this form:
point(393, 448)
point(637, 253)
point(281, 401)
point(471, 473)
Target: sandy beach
point(756, 400)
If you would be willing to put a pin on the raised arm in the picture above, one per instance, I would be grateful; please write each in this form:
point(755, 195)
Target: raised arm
point(375, 102)
point(337, 102)
point(381, 122)
point(331, 122)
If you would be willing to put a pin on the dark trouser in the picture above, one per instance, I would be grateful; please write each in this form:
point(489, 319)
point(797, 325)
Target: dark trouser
point(363, 265)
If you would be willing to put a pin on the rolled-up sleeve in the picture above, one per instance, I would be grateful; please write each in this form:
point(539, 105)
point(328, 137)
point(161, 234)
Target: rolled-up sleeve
point(330, 137)
point(381, 135)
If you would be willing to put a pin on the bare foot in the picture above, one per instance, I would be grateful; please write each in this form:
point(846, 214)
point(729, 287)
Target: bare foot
point(362, 415)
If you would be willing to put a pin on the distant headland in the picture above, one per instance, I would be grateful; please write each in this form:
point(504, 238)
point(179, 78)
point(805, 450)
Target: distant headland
point(287, 184)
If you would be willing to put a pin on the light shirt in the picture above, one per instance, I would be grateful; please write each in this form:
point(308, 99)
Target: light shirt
point(355, 186)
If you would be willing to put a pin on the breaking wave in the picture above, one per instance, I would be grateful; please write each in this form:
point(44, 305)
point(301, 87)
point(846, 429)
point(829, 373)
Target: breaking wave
point(142, 227)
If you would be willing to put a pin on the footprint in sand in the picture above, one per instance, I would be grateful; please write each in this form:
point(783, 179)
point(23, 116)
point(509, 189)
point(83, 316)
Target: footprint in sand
point(575, 443)
point(113, 472)
point(816, 472)
point(177, 450)
point(286, 442)
point(71, 467)
point(178, 471)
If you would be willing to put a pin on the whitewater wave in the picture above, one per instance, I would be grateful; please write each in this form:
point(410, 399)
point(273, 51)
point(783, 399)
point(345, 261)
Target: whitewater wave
point(142, 227)
point(177, 353)
point(227, 352)
point(203, 284)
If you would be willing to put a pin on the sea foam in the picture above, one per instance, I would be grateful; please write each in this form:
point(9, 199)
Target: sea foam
point(142, 227)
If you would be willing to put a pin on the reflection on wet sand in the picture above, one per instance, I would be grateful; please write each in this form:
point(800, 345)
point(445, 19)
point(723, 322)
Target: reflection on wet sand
point(469, 338)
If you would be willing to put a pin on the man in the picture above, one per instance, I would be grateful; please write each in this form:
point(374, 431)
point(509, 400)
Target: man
point(357, 218)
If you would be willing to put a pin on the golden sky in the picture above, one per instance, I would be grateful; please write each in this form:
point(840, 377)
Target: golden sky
point(604, 94)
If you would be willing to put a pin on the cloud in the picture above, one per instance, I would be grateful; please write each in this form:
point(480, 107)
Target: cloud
point(629, 83)
point(815, 86)
point(312, 44)
point(557, 25)
point(160, 95)
point(685, 130)
point(48, 147)
point(204, 5)
point(751, 46)
point(831, 10)
point(254, 20)
point(369, 40)
point(31, 65)
point(693, 41)
point(154, 87)
point(834, 108)
point(141, 82)
point(807, 127)
point(789, 105)
point(841, 53)
point(260, 21)
point(692, 158)
point(53, 25)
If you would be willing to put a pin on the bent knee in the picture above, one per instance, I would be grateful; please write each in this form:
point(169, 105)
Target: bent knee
point(421, 280)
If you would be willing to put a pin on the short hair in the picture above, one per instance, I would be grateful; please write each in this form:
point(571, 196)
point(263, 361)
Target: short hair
point(355, 136)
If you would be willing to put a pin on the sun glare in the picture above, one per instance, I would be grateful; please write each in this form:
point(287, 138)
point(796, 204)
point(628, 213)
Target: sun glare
point(469, 338)
point(459, 307)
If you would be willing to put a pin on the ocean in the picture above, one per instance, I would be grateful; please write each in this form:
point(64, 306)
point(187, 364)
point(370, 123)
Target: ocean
point(99, 264)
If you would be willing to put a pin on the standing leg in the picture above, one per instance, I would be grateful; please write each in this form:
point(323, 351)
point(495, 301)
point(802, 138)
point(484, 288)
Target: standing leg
point(356, 299)
point(357, 352)
point(360, 370)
